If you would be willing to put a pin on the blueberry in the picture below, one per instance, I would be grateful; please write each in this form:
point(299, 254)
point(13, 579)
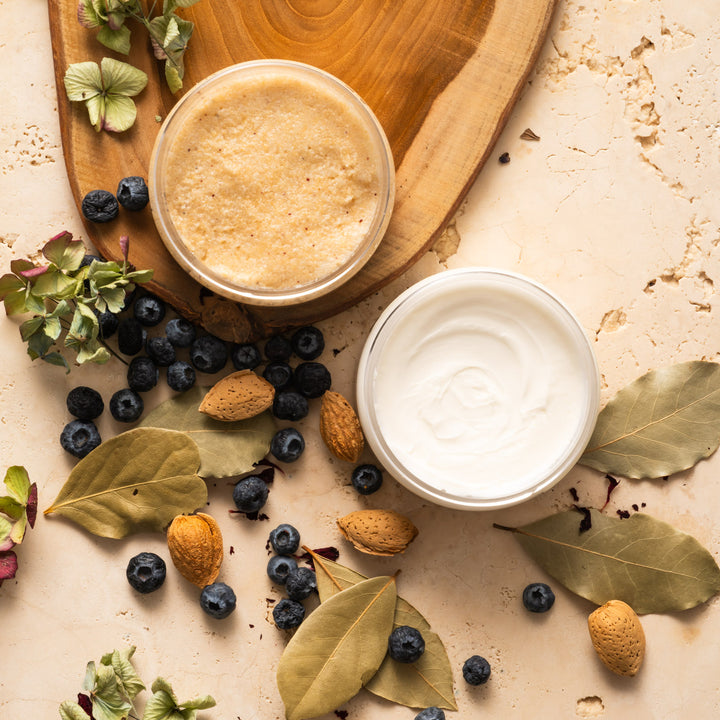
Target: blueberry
point(289, 405)
point(126, 405)
point(100, 206)
point(149, 310)
point(538, 597)
point(180, 332)
point(250, 494)
point(132, 193)
point(307, 342)
point(161, 352)
point(85, 403)
point(180, 376)
point(278, 374)
point(300, 583)
point(245, 356)
point(406, 644)
point(285, 539)
point(288, 614)
point(367, 479)
point(218, 600)
point(131, 336)
point(79, 437)
point(476, 670)
point(89, 259)
point(278, 349)
point(431, 713)
point(108, 323)
point(142, 374)
point(312, 379)
point(208, 354)
point(287, 445)
point(279, 567)
point(146, 572)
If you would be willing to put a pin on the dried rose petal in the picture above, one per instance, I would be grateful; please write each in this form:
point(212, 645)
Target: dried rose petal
point(612, 484)
point(8, 565)
point(86, 704)
point(34, 272)
point(31, 508)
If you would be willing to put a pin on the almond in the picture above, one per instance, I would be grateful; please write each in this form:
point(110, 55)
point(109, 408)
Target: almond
point(196, 547)
point(618, 637)
point(378, 532)
point(340, 428)
point(238, 396)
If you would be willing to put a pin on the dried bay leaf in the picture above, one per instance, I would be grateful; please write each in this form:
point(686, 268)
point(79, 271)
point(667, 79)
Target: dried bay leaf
point(645, 562)
point(662, 423)
point(226, 448)
point(337, 649)
point(138, 480)
point(421, 684)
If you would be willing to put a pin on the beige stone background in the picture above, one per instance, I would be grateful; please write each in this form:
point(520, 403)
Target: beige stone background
point(616, 208)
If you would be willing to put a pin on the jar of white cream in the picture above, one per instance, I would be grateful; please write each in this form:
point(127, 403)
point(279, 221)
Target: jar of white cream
point(477, 388)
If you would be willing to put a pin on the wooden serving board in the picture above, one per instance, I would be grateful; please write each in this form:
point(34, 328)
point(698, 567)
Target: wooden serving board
point(442, 77)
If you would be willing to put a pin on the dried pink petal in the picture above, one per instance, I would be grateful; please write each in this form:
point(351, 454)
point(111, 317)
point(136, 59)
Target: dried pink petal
point(31, 508)
point(8, 565)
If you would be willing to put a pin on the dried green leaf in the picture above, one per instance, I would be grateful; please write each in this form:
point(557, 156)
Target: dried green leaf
point(64, 252)
point(422, 684)
point(164, 705)
point(117, 40)
point(127, 678)
point(660, 424)
point(72, 711)
point(139, 480)
point(108, 702)
point(645, 562)
point(226, 448)
point(337, 649)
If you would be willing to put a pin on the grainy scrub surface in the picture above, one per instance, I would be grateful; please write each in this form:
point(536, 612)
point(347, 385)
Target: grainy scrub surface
point(272, 182)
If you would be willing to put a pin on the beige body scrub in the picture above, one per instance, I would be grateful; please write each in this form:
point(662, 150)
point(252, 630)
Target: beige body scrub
point(273, 181)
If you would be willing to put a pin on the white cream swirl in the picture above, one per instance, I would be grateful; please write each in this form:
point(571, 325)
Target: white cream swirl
point(479, 390)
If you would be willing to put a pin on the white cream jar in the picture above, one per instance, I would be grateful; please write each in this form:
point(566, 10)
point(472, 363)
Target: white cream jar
point(477, 388)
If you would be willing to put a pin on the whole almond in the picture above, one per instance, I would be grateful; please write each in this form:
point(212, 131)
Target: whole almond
point(239, 396)
point(196, 547)
point(340, 428)
point(378, 532)
point(618, 637)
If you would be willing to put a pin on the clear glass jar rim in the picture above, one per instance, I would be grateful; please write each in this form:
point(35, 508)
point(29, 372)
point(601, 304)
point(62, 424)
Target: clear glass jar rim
point(261, 296)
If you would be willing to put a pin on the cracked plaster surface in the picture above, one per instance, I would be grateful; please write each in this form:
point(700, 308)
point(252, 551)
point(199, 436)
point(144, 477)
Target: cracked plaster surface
point(615, 208)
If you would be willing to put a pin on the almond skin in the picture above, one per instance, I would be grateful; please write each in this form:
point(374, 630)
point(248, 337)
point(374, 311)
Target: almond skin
point(618, 637)
point(196, 547)
point(239, 396)
point(340, 428)
point(378, 532)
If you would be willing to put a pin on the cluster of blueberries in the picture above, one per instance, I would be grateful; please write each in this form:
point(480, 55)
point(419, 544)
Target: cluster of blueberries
point(101, 206)
point(146, 573)
point(282, 569)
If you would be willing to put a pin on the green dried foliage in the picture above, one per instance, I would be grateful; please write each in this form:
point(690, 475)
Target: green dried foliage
point(64, 296)
point(169, 33)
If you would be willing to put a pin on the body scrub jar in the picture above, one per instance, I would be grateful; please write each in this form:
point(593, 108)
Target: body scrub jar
point(477, 389)
point(271, 182)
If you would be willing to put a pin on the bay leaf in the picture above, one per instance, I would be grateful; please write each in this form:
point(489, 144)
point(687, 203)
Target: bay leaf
point(662, 423)
point(138, 480)
point(645, 562)
point(421, 684)
point(226, 448)
point(337, 649)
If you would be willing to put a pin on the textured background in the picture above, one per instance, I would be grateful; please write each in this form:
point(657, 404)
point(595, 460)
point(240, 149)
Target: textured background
point(615, 208)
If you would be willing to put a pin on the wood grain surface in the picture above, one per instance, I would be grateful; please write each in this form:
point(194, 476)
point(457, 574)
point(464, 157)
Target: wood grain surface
point(441, 76)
